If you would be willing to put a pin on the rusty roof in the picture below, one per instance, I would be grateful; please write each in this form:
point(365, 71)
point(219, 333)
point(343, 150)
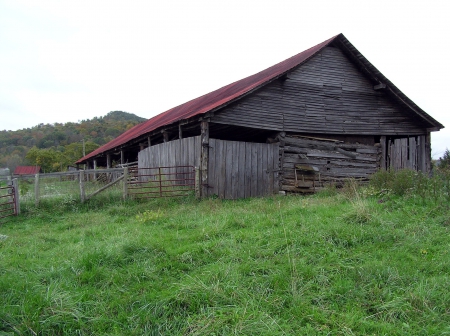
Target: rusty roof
point(229, 93)
point(27, 170)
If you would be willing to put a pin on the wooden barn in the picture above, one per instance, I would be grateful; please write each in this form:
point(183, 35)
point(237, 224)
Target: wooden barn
point(322, 116)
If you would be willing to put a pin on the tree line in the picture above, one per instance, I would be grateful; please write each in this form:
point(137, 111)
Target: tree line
point(56, 146)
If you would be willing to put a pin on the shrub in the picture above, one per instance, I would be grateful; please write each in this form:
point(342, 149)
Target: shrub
point(404, 181)
point(381, 179)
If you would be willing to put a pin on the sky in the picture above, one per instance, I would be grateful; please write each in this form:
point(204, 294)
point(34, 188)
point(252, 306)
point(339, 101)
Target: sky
point(64, 61)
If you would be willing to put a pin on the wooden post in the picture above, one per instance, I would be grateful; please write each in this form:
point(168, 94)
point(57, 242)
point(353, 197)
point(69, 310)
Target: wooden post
point(122, 156)
point(108, 165)
point(95, 167)
point(149, 141)
point(15, 184)
point(197, 182)
point(180, 132)
point(125, 183)
point(36, 190)
point(428, 153)
point(165, 136)
point(204, 157)
point(82, 191)
point(383, 152)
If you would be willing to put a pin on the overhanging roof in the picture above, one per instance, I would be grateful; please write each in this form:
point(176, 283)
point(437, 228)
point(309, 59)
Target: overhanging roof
point(229, 93)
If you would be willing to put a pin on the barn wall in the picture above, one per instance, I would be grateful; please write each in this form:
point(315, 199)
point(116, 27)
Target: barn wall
point(182, 152)
point(239, 169)
point(408, 153)
point(335, 162)
point(327, 94)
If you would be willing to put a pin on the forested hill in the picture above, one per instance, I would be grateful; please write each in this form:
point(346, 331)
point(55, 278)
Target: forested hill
point(56, 146)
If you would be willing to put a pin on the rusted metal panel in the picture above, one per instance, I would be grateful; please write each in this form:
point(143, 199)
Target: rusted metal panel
point(27, 170)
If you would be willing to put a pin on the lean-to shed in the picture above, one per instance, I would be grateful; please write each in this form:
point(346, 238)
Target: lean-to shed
point(321, 116)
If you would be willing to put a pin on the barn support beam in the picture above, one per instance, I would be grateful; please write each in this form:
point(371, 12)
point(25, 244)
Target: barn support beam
point(108, 161)
point(180, 132)
point(383, 160)
point(149, 141)
point(165, 135)
point(122, 156)
point(204, 157)
point(95, 167)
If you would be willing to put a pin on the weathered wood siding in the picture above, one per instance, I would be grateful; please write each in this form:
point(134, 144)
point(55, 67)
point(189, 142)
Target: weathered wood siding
point(242, 169)
point(408, 153)
point(327, 94)
point(335, 161)
point(182, 152)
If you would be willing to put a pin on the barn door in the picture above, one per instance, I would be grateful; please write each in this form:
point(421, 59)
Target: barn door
point(242, 169)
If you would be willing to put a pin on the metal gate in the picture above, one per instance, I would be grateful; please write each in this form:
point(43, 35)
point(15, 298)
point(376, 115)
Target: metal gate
point(8, 205)
point(161, 181)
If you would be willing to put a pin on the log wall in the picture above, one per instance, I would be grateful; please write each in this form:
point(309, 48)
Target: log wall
point(327, 94)
point(335, 162)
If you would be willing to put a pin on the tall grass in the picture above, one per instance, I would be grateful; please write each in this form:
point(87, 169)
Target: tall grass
point(350, 262)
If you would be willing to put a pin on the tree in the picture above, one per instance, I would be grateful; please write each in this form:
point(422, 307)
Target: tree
point(48, 159)
point(445, 160)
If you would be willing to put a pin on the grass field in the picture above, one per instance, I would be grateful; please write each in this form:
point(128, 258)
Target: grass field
point(336, 263)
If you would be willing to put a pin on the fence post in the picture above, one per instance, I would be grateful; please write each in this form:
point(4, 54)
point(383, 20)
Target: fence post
point(125, 183)
point(197, 182)
point(15, 183)
point(36, 190)
point(82, 191)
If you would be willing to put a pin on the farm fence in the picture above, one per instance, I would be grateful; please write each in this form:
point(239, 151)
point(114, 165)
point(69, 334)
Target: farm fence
point(157, 182)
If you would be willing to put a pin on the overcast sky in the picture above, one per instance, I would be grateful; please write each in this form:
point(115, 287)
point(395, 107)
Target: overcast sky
point(66, 61)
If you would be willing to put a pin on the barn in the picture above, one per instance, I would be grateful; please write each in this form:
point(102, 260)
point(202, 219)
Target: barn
point(322, 116)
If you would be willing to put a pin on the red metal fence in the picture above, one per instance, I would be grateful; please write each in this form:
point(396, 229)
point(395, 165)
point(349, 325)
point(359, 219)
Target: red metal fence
point(8, 205)
point(161, 181)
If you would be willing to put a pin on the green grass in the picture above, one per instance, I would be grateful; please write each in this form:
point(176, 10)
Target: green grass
point(329, 264)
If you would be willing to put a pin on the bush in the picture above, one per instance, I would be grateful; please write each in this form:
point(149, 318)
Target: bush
point(403, 181)
point(381, 180)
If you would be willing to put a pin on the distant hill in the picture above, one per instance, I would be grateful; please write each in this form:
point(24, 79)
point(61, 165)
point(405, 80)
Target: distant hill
point(61, 144)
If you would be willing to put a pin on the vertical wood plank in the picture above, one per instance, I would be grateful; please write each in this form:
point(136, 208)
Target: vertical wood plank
point(235, 169)
point(228, 194)
point(212, 167)
point(254, 171)
point(241, 171)
point(248, 170)
point(270, 169)
point(264, 168)
point(221, 175)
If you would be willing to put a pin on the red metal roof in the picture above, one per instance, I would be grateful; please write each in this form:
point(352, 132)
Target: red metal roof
point(27, 170)
point(233, 91)
point(210, 100)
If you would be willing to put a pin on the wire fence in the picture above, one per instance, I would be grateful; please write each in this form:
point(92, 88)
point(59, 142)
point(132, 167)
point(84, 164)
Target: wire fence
point(69, 185)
